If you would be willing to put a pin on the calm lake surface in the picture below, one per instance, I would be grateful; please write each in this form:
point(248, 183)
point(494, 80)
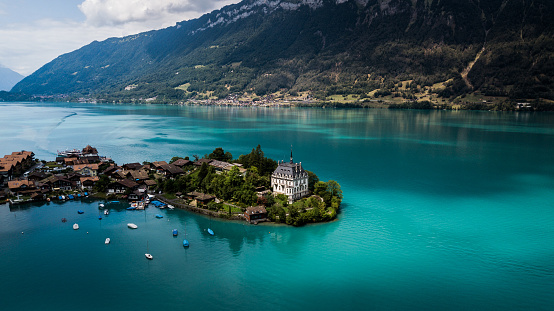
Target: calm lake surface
point(442, 211)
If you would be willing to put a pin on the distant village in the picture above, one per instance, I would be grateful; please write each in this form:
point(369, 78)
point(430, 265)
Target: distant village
point(289, 196)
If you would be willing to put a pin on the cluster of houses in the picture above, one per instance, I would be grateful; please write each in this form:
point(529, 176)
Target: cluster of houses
point(79, 170)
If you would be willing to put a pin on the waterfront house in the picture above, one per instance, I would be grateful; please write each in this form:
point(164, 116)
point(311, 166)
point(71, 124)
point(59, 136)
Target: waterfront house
point(21, 186)
point(88, 182)
point(56, 182)
point(255, 214)
point(290, 179)
point(122, 186)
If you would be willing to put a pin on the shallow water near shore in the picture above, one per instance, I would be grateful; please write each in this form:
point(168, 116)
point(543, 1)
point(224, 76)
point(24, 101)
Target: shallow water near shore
point(442, 210)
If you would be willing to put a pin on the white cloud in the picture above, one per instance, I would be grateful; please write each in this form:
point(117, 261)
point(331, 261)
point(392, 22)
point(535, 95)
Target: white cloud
point(118, 12)
point(26, 47)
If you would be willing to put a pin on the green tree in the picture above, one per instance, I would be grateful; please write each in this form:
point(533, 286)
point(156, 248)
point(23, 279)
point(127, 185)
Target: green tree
point(312, 180)
point(220, 155)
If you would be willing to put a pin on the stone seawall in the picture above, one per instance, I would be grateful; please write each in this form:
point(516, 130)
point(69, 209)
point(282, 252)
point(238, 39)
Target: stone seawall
point(198, 210)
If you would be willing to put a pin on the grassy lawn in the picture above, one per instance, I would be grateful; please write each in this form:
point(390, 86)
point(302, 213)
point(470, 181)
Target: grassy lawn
point(234, 210)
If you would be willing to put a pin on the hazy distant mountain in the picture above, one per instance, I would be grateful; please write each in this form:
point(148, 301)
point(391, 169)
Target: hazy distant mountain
point(326, 47)
point(8, 78)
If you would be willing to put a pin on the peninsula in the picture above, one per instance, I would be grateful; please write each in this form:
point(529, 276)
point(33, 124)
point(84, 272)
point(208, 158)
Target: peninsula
point(252, 187)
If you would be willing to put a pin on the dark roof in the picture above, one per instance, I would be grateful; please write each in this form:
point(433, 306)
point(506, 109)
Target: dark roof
point(256, 210)
point(172, 169)
point(290, 169)
point(132, 166)
point(182, 162)
point(202, 161)
point(150, 182)
point(127, 183)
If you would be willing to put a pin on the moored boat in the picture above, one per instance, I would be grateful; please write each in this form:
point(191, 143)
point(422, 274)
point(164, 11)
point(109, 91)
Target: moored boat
point(80, 211)
point(148, 256)
point(64, 220)
point(175, 232)
point(210, 231)
point(75, 226)
point(171, 206)
point(107, 241)
point(106, 212)
point(185, 243)
point(132, 226)
point(159, 216)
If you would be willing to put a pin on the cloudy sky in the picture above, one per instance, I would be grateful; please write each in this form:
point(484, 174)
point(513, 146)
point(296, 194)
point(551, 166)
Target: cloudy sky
point(34, 32)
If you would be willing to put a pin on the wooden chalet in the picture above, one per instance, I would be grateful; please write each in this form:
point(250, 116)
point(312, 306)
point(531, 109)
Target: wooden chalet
point(122, 186)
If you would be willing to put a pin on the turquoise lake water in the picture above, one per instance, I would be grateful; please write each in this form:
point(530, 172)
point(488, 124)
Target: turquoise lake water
point(442, 211)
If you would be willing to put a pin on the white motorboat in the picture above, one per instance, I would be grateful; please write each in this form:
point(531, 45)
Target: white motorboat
point(75, 226)
point(171, 206)
point(149, 256)
point(132, 226)
point(106, 212)
point(107, 241)
point(100, 205)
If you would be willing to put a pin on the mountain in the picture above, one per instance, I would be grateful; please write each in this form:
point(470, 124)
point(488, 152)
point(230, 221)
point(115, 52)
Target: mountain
point(8, 78)
point(360, 48)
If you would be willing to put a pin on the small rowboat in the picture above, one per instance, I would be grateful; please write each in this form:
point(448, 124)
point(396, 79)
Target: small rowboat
point(185, 243)
point(210, 231)
point(175, 232)
point(149, 256)
point(75, 226)
point(80, 211)
point(159, 216)
point(132, 226)
point(107, 241)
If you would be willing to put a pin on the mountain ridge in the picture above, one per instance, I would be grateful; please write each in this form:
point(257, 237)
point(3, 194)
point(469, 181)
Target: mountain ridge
point(322, 47)
point(8, 78)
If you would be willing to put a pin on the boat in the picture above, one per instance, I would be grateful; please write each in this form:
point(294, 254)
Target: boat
point(185, 243)
point(175, 232)
point(131, 208)
point(75, 226)
point(80, 211)
point(210, 231)
point(106, 212)
point(100, 217)
point(132, 226)
point(171, 207)
point(148, 256)
point(159, 216)
point(71, 197)
point(64, 220)
point(107, 241)
point(86, 194)
point(100, 204)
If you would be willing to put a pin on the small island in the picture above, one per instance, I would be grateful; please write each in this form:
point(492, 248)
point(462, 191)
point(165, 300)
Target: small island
point(251, 187)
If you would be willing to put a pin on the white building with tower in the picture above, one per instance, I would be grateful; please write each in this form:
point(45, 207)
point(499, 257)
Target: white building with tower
point(290, 179)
